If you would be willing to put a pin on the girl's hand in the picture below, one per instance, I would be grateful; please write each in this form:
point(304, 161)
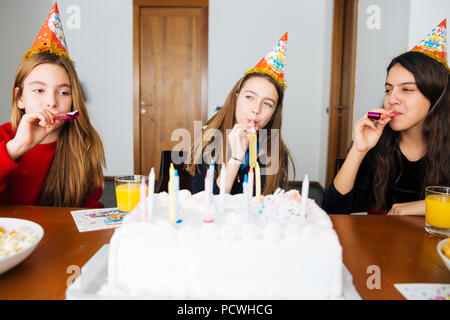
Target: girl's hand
point(32, 130)
point(366, 132)
point(415, 208)
point(239, 138)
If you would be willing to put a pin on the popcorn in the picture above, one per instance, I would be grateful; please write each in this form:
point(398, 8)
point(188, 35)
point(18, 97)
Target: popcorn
point(15, 240)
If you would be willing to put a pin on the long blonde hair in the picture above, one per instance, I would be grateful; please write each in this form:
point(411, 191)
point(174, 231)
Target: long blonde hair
point(225, 119)
point(76, 170)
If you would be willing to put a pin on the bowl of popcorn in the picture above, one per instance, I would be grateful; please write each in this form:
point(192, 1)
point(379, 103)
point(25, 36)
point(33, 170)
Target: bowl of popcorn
point(444, 251)
point(18, 239)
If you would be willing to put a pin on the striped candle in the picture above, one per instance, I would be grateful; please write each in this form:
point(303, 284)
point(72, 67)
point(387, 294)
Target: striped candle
point(177, 200)
point(305, 191)
point(222, 187)
point(143, 200)
point(258, 183)
point(211, 176)
point(151, 192)
point(171, 171)
point(246, 199)
point(252, 147)
point(208, 192)
point(251, 179)
point(171, 188)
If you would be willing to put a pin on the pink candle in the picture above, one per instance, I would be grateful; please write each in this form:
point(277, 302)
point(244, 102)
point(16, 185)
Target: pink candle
point(251, 179)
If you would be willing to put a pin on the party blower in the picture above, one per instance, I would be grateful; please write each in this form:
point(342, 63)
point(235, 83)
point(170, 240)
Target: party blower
point(378, 116)
point(68, 116)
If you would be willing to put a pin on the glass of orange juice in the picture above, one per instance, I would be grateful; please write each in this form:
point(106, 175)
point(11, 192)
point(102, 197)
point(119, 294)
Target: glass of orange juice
point(128, 192)
point(437, 210)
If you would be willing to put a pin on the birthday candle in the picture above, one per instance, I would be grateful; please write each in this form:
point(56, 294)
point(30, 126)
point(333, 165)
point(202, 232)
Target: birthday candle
point(222, 187)
point(251, 179)
point(211, 184)
point(258, 183)
point(305, 190)
point(177, 201)
point(171, 172)
point(251, 183)
point(208, 192)
point(211, 175)
point(252, 147)
point(172, 202)
point(151, 191)
point(143, 200)
point(246, 199)
point(171, 189)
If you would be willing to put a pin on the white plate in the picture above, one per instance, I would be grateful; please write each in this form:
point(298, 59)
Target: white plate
point(439, 249)
point(9, 224)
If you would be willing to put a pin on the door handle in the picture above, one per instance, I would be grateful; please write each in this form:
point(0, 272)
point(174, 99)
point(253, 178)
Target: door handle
point(145, 104)
point(340, 109)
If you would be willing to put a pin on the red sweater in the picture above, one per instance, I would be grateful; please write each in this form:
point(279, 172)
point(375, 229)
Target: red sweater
point(21, 180)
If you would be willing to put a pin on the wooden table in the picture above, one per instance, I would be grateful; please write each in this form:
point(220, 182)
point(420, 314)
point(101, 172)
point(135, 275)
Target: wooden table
point(399, 246)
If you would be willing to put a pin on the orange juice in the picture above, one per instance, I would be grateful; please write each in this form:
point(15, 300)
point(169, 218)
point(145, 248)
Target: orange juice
point(128, 196)
point(437, 211)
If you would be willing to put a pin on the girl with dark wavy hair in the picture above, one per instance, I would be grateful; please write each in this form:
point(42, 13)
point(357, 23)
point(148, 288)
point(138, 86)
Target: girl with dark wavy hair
point(392, 160)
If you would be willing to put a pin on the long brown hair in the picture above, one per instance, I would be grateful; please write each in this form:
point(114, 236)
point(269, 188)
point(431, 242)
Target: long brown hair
point(432, 79)
point(76, 170)
point(225, 119)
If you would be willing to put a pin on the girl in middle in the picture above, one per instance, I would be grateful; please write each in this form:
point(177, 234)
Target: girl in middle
point(255, 101)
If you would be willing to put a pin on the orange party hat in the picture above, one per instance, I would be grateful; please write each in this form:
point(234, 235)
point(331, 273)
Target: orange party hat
point(435, 44)
point(274, 62)
point(51, 37)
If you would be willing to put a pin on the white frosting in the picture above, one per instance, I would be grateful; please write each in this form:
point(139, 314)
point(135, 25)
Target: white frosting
point(279, 254)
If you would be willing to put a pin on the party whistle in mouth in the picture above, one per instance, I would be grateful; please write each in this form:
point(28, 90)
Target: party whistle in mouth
point(68, 116)
point(379, 116)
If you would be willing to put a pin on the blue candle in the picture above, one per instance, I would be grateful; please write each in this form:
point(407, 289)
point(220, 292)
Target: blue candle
point(208, 192)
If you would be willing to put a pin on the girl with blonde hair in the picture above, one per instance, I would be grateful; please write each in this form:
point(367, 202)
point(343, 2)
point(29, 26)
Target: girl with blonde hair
point(255, 101)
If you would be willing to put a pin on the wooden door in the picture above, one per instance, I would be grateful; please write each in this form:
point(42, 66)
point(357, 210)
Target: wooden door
point(172, 79)
point(342, 82)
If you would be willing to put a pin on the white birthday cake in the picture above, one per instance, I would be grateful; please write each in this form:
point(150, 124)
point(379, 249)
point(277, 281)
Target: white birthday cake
point(272, 250)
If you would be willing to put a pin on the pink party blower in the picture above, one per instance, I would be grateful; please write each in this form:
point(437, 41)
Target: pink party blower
point(379, 116)
point(68, 116)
